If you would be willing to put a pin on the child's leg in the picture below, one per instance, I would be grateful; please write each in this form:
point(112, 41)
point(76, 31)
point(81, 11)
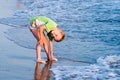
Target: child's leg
point(38, 52)
point(51, 52)
point(38, 46)
point(35, 33)
point(38, 49)
point(45, 45)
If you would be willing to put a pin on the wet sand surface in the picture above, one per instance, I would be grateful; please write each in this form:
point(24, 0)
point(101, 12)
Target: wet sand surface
point(15, 64)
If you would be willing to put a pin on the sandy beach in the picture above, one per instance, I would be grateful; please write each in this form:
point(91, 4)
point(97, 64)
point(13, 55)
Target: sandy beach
point(14, 62)
point(17, 63)
point(91, 49)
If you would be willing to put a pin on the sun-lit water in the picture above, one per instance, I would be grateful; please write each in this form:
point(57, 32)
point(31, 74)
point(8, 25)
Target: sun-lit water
point(92, 29)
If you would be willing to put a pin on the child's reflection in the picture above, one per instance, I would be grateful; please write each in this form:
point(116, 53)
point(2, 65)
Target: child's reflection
point(45, 74)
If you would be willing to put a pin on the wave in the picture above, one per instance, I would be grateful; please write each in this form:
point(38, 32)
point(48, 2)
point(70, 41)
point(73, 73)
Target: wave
point(106, 68)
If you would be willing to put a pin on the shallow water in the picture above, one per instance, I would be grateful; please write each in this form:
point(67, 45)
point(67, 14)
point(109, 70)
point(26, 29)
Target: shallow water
point(107, 68)
point(92, 29)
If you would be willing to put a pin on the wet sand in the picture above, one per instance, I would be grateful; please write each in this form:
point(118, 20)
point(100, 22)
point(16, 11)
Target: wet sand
point(15, 64)
point(18, 63)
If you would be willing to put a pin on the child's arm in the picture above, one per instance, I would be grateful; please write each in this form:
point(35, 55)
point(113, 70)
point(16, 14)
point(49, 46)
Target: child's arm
point(51, 52)
point(51, 49)
point(51, 46)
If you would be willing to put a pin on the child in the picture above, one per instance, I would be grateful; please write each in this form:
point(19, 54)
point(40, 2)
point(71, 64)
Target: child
point(40, 24)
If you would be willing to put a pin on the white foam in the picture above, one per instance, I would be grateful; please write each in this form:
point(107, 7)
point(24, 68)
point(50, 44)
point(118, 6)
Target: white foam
point(107, 68)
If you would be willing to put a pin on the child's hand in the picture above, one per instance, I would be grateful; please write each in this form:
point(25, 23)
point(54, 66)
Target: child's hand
point(54, 59)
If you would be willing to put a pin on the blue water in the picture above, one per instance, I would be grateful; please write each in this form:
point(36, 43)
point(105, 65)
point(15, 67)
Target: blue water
point(92, 29)
point(105, 69)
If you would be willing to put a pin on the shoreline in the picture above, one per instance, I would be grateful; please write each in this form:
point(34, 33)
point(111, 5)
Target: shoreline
point(17, 63)
point(14, 59)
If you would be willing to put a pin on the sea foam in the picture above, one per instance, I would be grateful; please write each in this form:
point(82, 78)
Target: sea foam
point(107, 68)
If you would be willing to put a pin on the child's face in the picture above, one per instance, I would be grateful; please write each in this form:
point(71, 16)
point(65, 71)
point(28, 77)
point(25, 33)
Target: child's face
point(56, 34)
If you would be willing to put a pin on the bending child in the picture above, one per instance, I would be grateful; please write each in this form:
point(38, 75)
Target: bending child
point(39, 25)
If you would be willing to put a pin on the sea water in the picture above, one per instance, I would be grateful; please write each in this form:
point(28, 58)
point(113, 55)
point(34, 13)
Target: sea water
point(92, 29)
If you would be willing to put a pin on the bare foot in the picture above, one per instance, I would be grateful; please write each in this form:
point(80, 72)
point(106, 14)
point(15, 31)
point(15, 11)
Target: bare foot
point(41, 61)
point(54, 59)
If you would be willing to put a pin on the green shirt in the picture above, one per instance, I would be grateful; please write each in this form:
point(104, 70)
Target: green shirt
point(49, 24)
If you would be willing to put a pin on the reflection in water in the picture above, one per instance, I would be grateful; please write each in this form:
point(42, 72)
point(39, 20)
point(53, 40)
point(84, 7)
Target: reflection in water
point(43, 74)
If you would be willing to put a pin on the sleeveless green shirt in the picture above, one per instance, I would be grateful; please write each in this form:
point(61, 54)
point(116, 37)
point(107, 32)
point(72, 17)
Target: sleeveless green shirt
point(49, 24)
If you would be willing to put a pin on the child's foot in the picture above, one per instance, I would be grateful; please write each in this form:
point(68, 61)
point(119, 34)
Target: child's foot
point(54, 59)
point(41, 61)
